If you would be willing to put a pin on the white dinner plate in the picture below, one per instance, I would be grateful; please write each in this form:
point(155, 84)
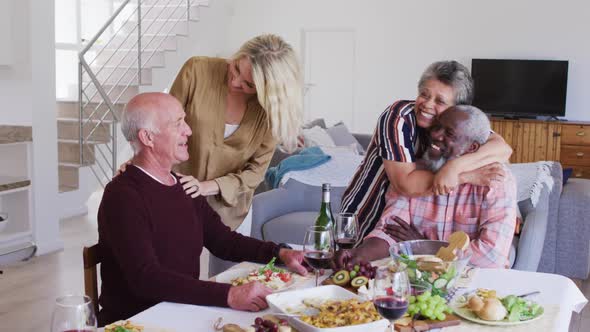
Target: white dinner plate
point(227, 276)
point(461, 311)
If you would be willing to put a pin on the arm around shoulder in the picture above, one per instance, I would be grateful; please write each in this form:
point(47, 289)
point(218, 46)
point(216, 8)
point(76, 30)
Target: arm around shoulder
point(406, 179)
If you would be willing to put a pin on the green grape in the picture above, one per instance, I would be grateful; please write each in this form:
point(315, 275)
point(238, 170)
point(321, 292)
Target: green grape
point(440, 307)
point(412, 299)
point(441, 316)
point(448, 310)
point(423, 306)
point(427, 294)
point(428, 312)
point(412, 307)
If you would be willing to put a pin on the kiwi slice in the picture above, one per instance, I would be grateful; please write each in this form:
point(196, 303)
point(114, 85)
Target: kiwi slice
point(341, 278)
point(359, 281)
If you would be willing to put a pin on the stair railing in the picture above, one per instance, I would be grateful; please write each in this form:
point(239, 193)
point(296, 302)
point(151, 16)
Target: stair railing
point(101, 93)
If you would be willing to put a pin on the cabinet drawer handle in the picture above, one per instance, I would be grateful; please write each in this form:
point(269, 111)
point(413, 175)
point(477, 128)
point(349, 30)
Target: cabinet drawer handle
point(580, 154)
point(578, 175)
point(580, 133)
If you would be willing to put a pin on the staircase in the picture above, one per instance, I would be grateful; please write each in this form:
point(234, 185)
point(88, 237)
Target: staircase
point(115, 65)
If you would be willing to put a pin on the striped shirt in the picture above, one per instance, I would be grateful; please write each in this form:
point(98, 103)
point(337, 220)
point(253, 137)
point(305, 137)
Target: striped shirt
point(396, 138)
point(486, 214)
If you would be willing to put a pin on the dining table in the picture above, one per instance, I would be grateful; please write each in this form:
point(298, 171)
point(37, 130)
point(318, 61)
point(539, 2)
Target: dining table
point(558, 294)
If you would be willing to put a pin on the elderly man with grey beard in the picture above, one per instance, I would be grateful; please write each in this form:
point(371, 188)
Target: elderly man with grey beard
point(487, 213)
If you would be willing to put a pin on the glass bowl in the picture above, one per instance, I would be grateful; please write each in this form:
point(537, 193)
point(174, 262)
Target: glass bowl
point(417, 256)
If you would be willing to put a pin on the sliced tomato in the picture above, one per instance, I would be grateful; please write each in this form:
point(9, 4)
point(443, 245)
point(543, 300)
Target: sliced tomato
point(285, 276)
point(267, 274)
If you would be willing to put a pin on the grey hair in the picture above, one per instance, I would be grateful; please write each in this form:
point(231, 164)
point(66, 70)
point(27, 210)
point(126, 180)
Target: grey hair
point(134, 119)
point(453, 74)
point(477, 126)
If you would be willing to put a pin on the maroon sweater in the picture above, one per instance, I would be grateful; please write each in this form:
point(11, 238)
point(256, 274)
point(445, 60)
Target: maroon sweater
point(151, 237)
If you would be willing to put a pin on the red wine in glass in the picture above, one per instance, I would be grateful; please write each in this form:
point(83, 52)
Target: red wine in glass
point(390, 308)
point(318, 259)
point(345, 243)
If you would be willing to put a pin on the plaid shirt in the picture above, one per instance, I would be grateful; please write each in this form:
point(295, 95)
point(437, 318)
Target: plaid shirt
point(486, 214)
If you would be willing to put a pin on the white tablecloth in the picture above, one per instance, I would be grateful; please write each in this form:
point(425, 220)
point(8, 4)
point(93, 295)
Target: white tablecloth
point(555, 289)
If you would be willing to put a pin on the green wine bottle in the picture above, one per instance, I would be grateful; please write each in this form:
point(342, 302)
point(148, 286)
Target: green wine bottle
point(325, 218)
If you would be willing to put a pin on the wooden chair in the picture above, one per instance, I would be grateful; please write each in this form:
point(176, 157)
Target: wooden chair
point(91, 257)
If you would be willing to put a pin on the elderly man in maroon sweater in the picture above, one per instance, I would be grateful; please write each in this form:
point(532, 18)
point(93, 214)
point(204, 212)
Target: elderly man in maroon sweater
point(151, 233)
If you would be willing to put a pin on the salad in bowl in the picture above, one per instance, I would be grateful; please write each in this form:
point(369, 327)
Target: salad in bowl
point(425, 266)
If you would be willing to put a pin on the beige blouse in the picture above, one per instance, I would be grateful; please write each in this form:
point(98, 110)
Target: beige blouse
point(237, 163)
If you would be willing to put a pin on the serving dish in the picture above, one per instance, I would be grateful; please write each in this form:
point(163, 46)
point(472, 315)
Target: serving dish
point(291, 302)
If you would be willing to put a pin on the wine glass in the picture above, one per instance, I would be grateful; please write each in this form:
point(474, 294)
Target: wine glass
point(346, 231)
point(391, 293)
point(73, 313)
point(318, 248)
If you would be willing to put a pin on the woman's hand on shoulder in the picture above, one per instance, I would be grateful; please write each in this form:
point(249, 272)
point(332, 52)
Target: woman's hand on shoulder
point(446, 179)
point(190, 185)
point(122, 168)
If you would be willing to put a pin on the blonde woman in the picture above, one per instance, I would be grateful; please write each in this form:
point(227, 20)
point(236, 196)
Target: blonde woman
point(239, 109)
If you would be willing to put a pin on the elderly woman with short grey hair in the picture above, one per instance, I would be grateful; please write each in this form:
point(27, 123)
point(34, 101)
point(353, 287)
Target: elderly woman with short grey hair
point(400, 138)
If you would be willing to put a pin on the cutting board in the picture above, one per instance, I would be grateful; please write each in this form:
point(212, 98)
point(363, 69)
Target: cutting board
point(425, 325)
point(329, 281)
point(419, 325)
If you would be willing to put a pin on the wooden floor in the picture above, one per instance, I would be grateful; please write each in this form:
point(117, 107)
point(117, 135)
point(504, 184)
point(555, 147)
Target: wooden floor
point(28, 290)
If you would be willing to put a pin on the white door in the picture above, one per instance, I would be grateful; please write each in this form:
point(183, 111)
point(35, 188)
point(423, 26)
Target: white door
point(328, 57)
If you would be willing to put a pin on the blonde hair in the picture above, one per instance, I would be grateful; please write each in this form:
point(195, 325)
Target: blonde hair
point(277, 76)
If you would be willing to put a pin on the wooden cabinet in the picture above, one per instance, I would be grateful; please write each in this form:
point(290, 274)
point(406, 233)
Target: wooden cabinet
point(575, 149)
point(534, 140)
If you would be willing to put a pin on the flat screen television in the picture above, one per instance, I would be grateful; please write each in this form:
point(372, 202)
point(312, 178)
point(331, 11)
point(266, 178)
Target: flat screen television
point(520, 87)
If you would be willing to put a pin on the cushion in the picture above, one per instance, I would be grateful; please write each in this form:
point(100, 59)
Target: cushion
point(341, 150)
point(316, 136)
point(290, 227)
point(313, 123)
point(567, 172)
point(342, 137)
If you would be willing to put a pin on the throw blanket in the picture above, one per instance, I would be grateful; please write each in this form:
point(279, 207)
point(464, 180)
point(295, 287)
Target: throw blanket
point(531, 183)
point(306, 159)
point(337, 171)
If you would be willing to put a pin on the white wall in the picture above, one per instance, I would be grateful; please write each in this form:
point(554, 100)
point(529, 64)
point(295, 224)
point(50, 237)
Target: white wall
point(27, 97)
point(42, 96)
point(206, 37)
point(15, 79)
point(397, 39)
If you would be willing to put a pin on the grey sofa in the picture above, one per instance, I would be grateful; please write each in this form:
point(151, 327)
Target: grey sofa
point(554, 239)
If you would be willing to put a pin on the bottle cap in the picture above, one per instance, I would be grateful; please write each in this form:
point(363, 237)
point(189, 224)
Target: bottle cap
point(325, 186)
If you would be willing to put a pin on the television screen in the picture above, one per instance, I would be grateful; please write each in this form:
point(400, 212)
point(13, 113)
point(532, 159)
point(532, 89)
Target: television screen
point(520, 87)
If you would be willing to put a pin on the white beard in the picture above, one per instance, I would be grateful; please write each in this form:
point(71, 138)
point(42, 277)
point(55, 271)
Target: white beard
point(433, 164)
